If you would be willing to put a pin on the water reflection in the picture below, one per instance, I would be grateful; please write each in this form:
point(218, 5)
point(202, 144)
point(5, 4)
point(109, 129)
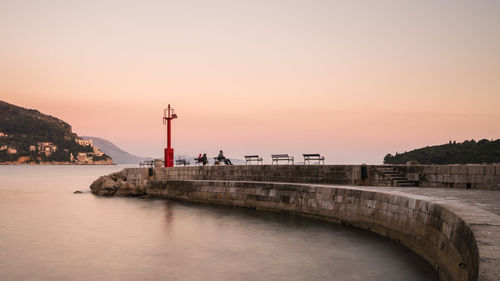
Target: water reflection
point(169, 215)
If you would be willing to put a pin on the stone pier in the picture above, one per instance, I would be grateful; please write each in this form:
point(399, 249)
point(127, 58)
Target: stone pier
point(456, 230)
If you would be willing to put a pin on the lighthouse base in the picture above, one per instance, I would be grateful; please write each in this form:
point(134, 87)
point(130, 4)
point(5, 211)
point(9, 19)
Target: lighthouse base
point(169, 157)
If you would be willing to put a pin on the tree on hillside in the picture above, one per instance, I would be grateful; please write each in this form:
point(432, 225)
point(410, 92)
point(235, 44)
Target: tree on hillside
point(468, 152)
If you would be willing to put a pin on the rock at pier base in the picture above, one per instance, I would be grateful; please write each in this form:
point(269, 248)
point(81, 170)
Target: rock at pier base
point(116, 185)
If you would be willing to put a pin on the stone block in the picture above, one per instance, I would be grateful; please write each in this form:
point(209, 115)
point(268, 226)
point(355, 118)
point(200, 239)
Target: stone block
point(432, 178)
point(446, 178)
point(490, 179)
point(422, 206)
point(489, 170)
point(326, 204)
point(496, 182)
point(414, 177)
point(476, 170)
point(396, 209)
point(412, 203)
point(459, 185)
point(476, 178)
point(440, 178)
point(497, 168)
point(419, 216)
point(458, 178)
point(459, 170)
point(429, 169)
point(443, 169)
point(323, 193)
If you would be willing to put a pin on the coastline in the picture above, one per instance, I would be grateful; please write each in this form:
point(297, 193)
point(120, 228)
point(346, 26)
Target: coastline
point(97, 163)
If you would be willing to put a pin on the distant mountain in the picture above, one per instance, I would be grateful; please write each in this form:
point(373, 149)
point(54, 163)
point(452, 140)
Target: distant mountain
point(122, 157)
point(30, 137)
point(468, 152)
point(119, 156)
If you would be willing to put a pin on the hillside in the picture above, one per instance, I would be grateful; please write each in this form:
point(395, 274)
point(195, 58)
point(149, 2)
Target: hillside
point(468, 152)
point(30, 137)
point(118, 155)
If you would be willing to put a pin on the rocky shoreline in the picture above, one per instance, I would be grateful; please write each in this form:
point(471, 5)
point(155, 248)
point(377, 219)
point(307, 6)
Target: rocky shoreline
point(116, 184)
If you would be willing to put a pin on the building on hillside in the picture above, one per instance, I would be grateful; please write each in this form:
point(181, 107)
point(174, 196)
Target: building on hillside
point(84, 142)
point(83, 157)
point(97, 151)
point(47, 148)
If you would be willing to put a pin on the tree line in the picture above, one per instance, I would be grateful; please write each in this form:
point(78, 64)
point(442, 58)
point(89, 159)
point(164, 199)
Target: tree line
point(467, 152)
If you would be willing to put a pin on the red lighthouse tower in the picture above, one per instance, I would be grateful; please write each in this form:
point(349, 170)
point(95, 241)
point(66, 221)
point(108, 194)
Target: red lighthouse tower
point(168, 115)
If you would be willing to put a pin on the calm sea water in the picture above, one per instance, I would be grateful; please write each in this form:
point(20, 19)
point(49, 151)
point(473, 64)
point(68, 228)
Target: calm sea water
point(49, 233)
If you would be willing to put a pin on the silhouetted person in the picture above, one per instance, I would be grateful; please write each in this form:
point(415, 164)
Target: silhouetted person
point(204, 159)
point(222, 158)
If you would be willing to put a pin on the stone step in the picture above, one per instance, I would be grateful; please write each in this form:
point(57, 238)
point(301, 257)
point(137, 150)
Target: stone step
point(385, 170)
point(406, 183)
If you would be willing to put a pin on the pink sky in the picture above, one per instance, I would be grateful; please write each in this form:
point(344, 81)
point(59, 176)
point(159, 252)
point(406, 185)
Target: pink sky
point(353, 80)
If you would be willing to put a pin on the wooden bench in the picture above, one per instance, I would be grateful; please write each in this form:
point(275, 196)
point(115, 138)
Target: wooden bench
point(147, 163)
point(250, 158)
point(183, 162)
point(281, 157)
point(313, 157)
point(198, 161)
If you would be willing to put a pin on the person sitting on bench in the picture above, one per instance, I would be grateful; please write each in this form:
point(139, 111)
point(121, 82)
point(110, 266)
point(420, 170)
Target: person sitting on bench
point(204, 159)
point(221, 158)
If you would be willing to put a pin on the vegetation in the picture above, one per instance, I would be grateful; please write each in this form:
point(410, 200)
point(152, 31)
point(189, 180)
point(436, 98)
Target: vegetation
point(27, 127)
point(468, 152)
point(99, 158)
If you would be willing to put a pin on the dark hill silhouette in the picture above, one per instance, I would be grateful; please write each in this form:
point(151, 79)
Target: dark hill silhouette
point(468, 152)
point(29, 136)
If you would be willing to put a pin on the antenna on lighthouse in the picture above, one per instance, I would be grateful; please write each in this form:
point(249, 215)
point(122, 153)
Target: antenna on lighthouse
point(168, 115)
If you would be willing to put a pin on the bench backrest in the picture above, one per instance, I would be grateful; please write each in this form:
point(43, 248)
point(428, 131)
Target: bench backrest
point(280, 156)
point(311, 155)
point(251, 156)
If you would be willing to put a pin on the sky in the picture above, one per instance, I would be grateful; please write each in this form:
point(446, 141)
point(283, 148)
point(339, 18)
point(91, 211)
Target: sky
point(352, 80)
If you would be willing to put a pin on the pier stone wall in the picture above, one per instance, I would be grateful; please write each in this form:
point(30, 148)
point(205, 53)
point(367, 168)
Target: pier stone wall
point(449, 176)
point(454, 176)
point(331, 174)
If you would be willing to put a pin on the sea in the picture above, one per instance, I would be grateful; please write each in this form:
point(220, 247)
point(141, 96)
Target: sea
point(47, 232)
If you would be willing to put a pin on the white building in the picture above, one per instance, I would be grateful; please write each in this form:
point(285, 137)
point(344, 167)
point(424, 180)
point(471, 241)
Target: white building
point(84, 142)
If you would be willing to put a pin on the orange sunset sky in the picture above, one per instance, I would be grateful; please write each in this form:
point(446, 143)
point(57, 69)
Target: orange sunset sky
point(352, 80)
